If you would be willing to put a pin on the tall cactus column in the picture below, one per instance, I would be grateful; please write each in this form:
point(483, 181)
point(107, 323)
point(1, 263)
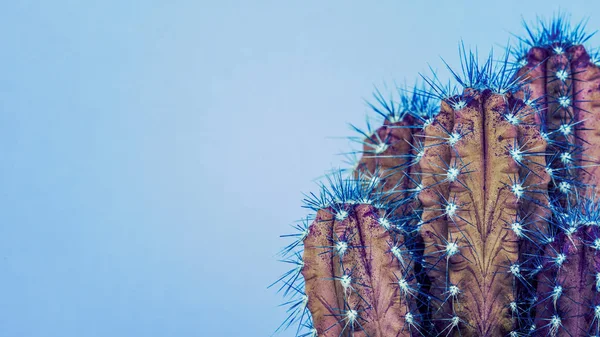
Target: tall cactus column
point(565, 84)
point(482, 203)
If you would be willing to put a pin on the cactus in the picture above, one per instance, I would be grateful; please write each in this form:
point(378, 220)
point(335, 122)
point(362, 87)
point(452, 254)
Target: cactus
point(472, 210)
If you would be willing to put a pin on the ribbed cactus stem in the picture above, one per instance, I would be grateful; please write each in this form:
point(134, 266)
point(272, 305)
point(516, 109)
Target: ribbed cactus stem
point(357, 270)
point(563, 89)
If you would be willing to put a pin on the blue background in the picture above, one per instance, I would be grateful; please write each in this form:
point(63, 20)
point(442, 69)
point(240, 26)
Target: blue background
point(151, 152)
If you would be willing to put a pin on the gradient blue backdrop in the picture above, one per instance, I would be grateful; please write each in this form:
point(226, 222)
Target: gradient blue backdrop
point(151, 152)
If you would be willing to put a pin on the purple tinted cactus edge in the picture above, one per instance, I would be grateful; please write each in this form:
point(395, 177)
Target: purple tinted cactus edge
point(470, 211)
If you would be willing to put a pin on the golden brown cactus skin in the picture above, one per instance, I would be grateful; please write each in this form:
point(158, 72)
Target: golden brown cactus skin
point(317, 265)
point(586, 89)
point(434, 230)
point(373, 291)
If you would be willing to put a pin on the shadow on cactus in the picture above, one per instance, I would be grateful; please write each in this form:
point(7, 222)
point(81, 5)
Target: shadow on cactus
point(472, 210)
